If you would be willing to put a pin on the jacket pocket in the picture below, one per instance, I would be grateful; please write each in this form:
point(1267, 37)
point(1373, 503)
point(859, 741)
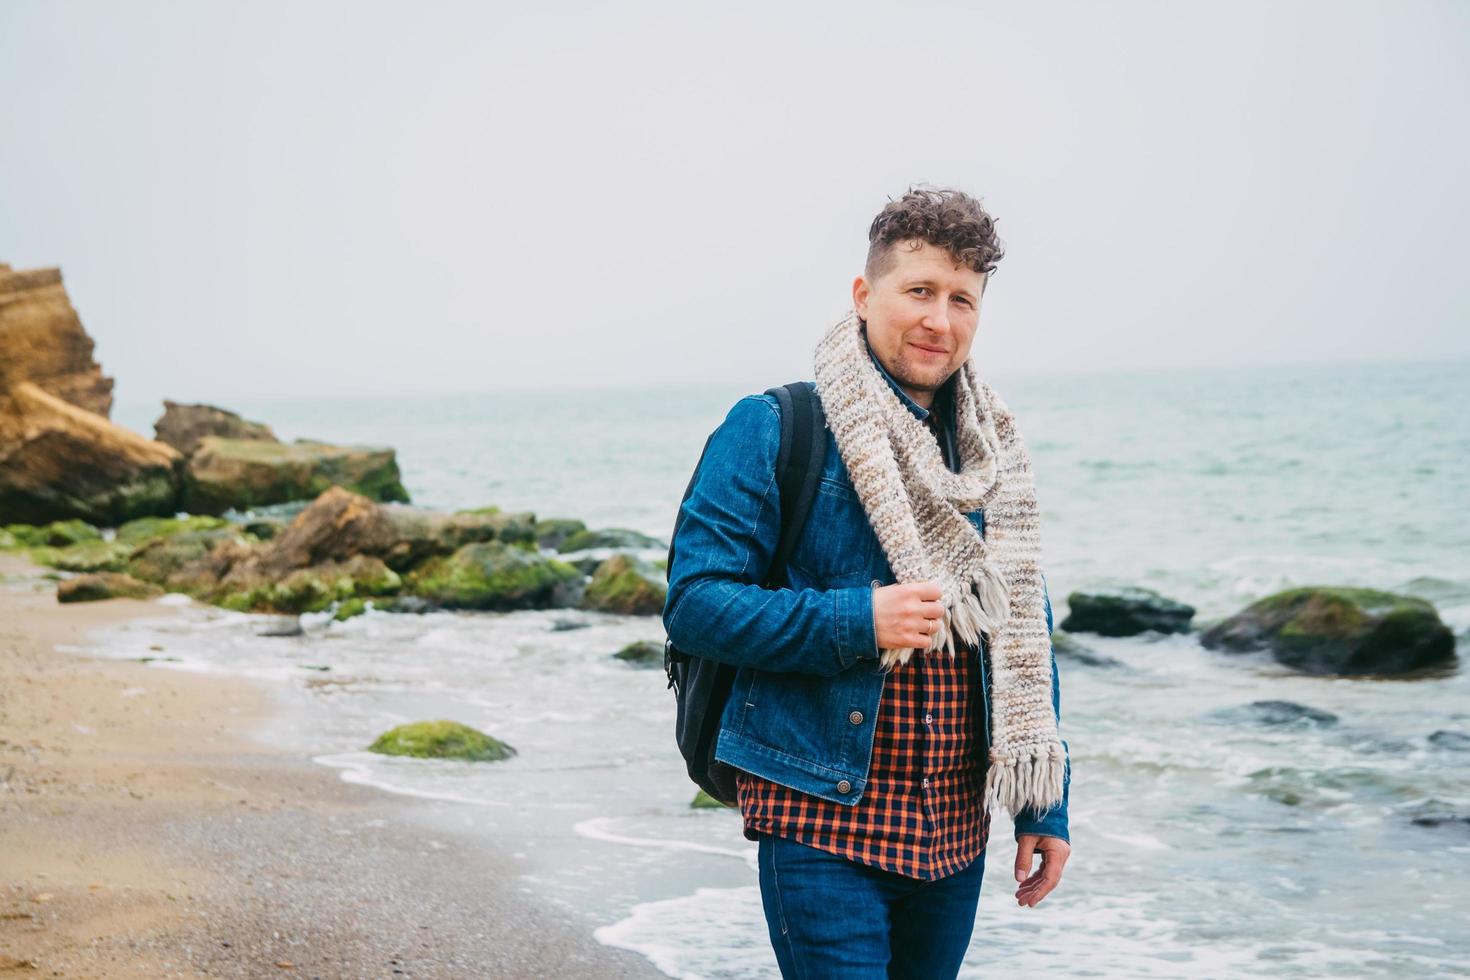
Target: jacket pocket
point(837, 540)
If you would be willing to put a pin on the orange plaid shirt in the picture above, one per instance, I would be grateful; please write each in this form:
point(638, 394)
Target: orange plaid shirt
point(921, 814)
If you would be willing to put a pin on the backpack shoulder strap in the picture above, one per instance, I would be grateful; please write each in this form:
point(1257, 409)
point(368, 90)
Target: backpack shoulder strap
point(799, 465)
point(798, 468)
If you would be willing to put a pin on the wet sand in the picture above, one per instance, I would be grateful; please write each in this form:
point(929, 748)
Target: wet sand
point(144, 833)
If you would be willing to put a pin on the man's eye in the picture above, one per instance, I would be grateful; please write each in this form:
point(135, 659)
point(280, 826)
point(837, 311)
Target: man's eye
point(961, 299)
point(919, 289)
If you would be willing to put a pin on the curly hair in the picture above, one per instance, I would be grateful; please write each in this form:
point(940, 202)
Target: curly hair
point(943, 217)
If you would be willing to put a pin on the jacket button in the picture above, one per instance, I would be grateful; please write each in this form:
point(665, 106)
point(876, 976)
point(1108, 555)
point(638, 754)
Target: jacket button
point(856, 717)
point(844, 786)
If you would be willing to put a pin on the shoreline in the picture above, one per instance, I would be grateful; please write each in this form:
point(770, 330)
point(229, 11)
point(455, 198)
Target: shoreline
point(146, 833)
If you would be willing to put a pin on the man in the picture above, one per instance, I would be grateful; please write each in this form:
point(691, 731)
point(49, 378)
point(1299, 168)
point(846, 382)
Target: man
point(902, 678)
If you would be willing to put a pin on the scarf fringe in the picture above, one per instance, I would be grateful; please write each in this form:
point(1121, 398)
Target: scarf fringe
point(982, 610)
point(1031, 781)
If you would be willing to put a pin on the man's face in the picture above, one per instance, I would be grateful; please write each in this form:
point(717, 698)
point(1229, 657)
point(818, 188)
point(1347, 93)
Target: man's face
point(921, 315)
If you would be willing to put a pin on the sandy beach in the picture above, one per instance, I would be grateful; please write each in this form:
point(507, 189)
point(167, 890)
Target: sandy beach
point(144, 833)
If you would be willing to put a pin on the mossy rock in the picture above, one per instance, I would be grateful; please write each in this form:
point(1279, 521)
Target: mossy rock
point(313, 589)
point(643, 653)
point(57, 534)
point(1125, 612)
point(87, 556)
point(160, 558)
point(551, 533)
point(495, 575)
point(348, 608)
point(624, 584)
point(441, 740)
point(105, 585)
point(703, 801)
point(146, 529)
point(243, 473)
point(609, 537)
point(1339, 631)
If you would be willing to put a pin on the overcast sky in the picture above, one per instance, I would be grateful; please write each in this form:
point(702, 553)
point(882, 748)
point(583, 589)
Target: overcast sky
point(255, 199)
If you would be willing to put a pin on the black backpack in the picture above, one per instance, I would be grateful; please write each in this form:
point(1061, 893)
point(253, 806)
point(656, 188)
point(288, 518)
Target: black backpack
point(702, 686)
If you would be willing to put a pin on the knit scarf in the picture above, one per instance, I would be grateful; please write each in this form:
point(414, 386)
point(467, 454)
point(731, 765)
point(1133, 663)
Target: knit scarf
point(992, 583)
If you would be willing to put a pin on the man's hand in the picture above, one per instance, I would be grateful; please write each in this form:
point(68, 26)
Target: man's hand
point(906, 616)
point(1054, 854)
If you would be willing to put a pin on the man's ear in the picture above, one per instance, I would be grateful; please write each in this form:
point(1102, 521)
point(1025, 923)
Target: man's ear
point(860, 293)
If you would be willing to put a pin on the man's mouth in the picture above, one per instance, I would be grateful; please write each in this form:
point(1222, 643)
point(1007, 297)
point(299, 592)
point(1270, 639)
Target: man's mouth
point(927, 349)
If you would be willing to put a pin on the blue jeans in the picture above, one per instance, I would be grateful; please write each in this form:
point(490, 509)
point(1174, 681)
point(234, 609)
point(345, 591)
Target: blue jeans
point(831, 917)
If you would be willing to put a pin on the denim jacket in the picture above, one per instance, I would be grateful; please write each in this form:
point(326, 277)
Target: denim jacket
point(805, 698)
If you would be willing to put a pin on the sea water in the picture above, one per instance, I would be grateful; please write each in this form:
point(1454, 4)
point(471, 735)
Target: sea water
point(1204, 843)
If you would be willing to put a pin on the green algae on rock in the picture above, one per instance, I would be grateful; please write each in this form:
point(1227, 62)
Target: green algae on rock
point(146, 529)
point(494, 575)
point(625, 584)
point(57, 534)
point(311, 589)
point(1339, 631)
point(86, 556)
point(441, 740)
point(105, 585)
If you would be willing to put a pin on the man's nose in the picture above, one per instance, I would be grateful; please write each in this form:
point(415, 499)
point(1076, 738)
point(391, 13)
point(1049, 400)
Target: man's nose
point(937, 318)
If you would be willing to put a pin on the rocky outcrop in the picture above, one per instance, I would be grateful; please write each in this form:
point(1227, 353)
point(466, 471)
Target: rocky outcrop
point(1125, 612)
point(340, 523)
point(182, 426)
point(1339, 631)
point(60, 461)
point(43, 341)
point(244, 473)
point(59, 455)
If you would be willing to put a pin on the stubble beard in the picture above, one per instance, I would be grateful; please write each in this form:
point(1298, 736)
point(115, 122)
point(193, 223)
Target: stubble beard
point(910, 376)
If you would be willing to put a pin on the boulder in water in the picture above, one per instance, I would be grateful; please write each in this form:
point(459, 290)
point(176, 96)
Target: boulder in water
point(1339, 631)
point(1279, 714)
point(1125, 612)
point(1454, 741)
point(643, 653)
point(441, 740)
point(1067, 647)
